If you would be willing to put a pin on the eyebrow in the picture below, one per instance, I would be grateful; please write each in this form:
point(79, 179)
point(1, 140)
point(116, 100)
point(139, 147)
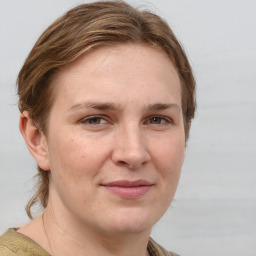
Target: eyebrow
point(114, 107)
point(161, 106)
point(96, 105)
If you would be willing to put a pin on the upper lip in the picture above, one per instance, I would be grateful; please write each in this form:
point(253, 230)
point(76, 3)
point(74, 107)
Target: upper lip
point(128, 183)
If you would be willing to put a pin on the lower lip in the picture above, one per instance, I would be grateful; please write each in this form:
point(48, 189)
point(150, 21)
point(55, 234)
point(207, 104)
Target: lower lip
point(129, 192)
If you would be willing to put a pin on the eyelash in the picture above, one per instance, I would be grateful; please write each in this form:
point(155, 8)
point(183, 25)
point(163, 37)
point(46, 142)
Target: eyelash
point(90, 118)
point(163, 120)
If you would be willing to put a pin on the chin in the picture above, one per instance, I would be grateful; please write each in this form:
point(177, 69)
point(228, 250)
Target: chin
point(132, 221)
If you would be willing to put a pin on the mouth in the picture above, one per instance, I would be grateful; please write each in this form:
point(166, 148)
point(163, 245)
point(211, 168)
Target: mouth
point(128, 189)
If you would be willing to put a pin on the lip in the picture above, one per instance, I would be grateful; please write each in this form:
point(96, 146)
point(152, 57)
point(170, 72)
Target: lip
point(129, 189)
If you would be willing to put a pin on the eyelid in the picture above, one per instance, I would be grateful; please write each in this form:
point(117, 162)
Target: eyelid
point(88, 118)
point(167, 120)
point(164, 120)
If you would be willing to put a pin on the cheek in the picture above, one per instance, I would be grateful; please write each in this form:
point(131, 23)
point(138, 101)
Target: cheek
point(66, 155)
point(70, 170)
point(75, 159)
point(169, 159)
point(169, 152)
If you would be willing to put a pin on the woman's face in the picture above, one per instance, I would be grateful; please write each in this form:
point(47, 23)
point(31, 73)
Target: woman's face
point(115, 142)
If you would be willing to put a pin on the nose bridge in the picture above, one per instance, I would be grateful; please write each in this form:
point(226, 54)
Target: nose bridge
point(131, 149)
point(132, 137)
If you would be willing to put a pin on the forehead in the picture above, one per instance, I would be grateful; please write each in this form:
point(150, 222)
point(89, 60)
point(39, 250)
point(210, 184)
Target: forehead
point(130, 70)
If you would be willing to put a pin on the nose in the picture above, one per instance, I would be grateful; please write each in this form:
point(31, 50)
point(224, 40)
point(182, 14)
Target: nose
point(130, 148)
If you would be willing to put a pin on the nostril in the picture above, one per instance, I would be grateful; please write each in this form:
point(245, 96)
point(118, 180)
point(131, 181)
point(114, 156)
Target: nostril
point(130, 165)
point(130, 154)
point(123, 163)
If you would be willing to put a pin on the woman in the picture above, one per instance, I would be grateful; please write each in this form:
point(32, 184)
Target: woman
point(106, 99)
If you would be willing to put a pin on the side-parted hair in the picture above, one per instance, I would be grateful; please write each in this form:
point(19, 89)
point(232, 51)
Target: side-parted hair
point(81, 29)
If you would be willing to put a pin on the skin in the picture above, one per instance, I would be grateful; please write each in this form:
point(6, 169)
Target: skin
point(116, 116)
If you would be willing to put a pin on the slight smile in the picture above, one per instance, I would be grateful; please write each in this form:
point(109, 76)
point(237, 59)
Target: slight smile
point(129, 189)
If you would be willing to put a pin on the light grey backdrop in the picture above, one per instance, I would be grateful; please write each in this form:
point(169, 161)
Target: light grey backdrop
point(214, 211)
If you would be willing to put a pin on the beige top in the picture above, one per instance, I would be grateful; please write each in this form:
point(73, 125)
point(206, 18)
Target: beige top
point(13, 243)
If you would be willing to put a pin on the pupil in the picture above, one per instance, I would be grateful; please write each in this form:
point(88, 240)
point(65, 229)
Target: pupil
point(94, 120)
point(155, 120)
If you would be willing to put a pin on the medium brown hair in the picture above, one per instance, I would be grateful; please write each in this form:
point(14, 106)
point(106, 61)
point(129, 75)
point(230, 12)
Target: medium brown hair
point(81, 29)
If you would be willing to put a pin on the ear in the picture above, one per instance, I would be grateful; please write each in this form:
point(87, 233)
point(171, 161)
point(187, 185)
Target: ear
point(35, 140)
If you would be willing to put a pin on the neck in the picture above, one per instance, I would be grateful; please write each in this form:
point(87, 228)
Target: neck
point(70, 238)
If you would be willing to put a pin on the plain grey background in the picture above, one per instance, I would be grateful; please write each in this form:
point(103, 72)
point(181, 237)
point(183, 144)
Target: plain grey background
point(214, 210)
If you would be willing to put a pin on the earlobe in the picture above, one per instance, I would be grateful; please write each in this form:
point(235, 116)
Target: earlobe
point(35, 140)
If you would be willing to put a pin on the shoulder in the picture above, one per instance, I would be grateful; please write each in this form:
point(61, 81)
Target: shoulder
point(156, 250)
point(13, 243)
